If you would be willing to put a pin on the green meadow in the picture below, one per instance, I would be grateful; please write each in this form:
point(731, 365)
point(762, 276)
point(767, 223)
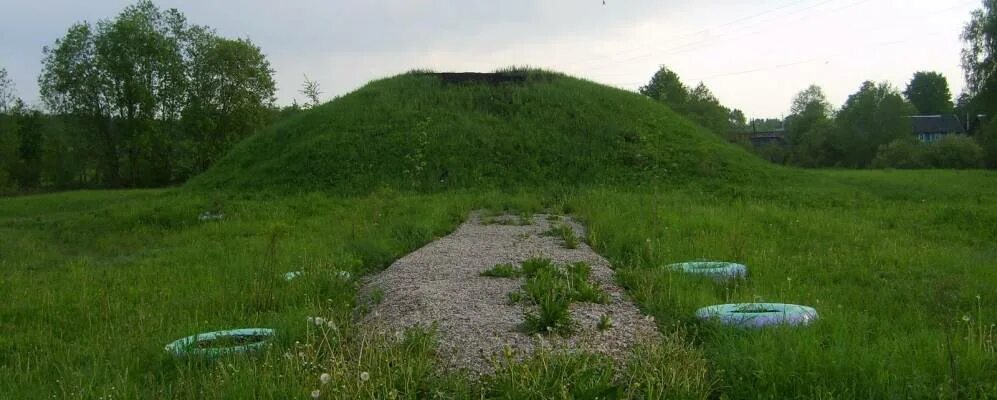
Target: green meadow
point(902, 267)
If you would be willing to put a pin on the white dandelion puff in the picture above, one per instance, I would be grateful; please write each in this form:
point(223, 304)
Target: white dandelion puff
point(325, 378)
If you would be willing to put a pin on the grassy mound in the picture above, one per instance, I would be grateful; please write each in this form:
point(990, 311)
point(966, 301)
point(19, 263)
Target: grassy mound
point(429, 132)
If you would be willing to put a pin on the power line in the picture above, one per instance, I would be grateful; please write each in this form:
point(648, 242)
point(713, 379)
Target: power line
point(690, 34)
point(693, 45)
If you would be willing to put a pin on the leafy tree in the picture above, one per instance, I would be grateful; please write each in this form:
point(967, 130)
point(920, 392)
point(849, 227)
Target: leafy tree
point(160, 98)
point(813, 100)
point(703, 108)
point(231, 93)
point(310, 89)
point(666, 87)
point(6, 91)
point(810, 108)
point(979, 55)
point(988, 142)
point(814, 149)
point(871, 117)
point(929, 93)
point(737, 122)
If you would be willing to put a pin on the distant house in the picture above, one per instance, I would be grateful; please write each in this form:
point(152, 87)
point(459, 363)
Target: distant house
point(931, 128)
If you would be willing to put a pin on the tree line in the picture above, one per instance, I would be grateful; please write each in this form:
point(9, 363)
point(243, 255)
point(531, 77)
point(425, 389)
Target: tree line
point(144, 99)
point(873, 128)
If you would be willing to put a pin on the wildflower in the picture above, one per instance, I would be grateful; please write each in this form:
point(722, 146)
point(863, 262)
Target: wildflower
point(965, 318)
point(331, 325)
point(316, 393)
point(977, 297)
point(364, 376)
point(311, 320)
point(325, 378)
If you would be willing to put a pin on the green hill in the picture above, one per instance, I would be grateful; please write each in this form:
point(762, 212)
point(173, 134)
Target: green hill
point(428, 132)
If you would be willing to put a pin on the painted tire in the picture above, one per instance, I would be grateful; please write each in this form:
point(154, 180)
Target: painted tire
point(757, 315)
point(714, 269)
point(188, 346)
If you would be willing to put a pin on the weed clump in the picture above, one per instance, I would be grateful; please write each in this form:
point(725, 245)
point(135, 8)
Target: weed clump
point(553, 288)
point(566, 233)
point(503, 271)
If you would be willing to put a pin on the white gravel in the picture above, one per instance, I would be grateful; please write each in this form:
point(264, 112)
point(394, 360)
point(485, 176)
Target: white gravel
point(441, 283)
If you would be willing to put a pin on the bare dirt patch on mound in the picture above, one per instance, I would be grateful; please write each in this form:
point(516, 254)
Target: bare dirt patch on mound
point(475, 320)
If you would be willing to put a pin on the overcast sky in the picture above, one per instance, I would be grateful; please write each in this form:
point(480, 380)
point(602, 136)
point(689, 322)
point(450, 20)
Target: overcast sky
point(753, 54)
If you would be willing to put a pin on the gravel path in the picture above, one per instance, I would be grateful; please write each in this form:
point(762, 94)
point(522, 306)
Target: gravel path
point(475, 321)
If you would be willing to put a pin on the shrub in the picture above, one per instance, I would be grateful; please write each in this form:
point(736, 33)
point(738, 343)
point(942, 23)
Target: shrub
point(901, 153)
point(955, 152)
point(988, 141)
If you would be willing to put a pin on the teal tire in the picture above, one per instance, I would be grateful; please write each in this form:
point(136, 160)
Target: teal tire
point(199, 345)
point(758, 315)
point(715, 269)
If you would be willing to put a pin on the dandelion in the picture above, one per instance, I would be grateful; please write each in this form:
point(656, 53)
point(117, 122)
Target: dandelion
point(331, 325)
point(364, 376)
point(965, 318)
point(311, 320)
point(977, 297)
point(319, 321)
point(324, 378)
point(316, 393)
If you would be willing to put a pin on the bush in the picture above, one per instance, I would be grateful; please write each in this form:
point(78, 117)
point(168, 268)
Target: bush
point(901, 153)
point(955, 152)
point(988, 141)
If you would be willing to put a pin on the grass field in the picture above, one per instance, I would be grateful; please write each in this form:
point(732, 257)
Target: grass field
point(902, 267)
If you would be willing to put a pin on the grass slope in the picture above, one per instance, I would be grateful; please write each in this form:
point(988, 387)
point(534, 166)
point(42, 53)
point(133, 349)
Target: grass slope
point(414, 131)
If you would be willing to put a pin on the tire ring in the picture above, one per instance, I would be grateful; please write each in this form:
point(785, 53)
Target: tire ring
point(757, 315)
point(718, 270)
point(188, 346)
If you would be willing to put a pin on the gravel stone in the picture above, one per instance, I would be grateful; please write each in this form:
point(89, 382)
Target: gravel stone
point(441, 284)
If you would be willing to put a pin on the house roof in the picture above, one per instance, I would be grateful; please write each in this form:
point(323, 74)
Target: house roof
point(936, 124)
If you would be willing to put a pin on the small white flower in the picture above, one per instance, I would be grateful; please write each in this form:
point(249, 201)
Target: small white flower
point(311, 320)
point(331, 325)
point(965, 318)
point(364, 376)
point(319, 321)
point(324, 378)
point(977, 297)
point(316, 393)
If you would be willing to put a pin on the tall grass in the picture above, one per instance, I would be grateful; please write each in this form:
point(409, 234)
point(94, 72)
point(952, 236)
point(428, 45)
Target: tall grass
point(96, 283)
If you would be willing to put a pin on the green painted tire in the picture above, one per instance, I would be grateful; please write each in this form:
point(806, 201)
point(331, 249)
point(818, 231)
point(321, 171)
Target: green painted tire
point(191, 345)
point(719, 270)
point(757, 315)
